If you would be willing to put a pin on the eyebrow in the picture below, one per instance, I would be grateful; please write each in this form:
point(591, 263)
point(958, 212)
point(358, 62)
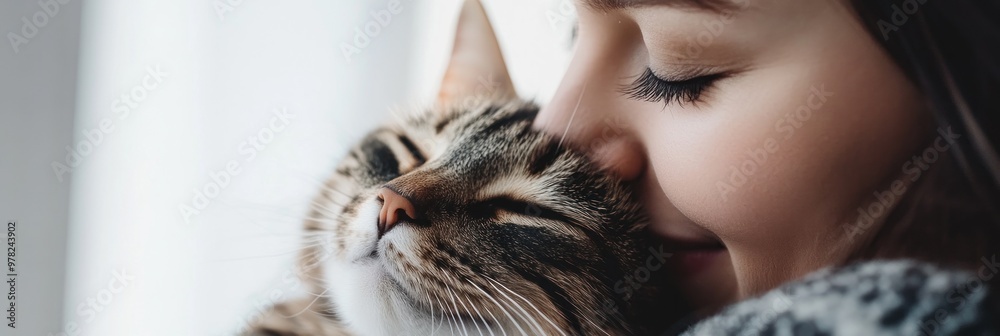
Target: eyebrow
point(708, 5)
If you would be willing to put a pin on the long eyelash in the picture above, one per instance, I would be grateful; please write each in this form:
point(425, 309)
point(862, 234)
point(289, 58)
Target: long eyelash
point(650, 88)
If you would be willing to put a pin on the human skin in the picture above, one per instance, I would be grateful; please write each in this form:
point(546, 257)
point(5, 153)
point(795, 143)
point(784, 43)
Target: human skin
point(864, 121)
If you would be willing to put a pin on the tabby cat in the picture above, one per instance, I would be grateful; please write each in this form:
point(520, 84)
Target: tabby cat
point(463, 220)
point(501, 230)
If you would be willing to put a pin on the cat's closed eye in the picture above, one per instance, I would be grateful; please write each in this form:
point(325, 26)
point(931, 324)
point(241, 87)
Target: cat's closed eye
point(515, 206)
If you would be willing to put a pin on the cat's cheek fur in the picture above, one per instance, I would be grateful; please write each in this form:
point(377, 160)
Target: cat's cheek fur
point(357, 294)
point(358, 236)
point(356, 282)
point(360, 287)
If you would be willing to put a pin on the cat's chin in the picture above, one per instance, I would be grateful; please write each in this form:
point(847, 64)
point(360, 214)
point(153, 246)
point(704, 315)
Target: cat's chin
point(370, 301)
point(365, 295)
point(370, 296)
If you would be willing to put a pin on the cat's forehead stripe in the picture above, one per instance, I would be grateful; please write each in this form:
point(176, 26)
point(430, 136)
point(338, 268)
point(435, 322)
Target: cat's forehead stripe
point(417, 154)
point(543, 157)
point(382, 159)
point(524, 187)
point(520, 115)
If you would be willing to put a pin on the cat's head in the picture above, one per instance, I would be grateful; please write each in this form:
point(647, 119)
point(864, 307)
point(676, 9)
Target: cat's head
point(500, 227)
point(464, 219)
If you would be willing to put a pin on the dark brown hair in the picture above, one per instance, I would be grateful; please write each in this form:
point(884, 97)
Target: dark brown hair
point(950, 50)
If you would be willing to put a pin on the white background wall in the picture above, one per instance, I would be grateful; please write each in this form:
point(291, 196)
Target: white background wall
point(37, 98)
point(224, 77)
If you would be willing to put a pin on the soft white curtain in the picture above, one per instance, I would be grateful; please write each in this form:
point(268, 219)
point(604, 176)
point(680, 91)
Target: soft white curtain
point(217, 119)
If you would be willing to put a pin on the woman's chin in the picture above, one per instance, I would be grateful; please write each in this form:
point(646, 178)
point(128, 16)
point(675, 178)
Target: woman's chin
point(705, 277)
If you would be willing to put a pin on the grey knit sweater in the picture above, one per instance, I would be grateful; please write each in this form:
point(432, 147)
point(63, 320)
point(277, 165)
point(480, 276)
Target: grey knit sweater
point(870, 298)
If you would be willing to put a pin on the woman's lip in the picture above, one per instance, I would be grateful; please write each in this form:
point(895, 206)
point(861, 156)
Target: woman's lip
point(691, 256)
point(680, 245)
point(692, 262)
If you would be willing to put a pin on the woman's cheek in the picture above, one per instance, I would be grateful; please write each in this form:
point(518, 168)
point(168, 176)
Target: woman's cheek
point(741, 169)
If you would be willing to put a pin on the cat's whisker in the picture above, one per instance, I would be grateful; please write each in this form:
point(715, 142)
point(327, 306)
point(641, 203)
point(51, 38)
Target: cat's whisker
point(444, 319)
point(456, 296)
point(452, 326)
point(297, 235)
point(324, 186)
point(572, 116)
point(395, 113)
point(315, 294)
point(347, 239)
point(328, 211)
point(325, 315)
point(320, 219)
point(264, 240)
point(313, 237)
point(315, 254)
point(299, 249)
point(316, 238)
point(431, 304)
point(333, 201)
point(316, 259)
point(319, 235)
point(333, 220)
point(504, 304)
point(325, 207)
point(458, 316)
point(250, 205)
point(271, 215)
point(451, 295)
point(307, 306)
point(469, 312)
point(346, 197)
point(263, 225)
point(485, 324)
point(324, 226)
point(310, 267)
point(481, 318)
point(524, 313)
point(310, 251)
point(490, 297)
point(309, 178)
point(408, 320)
point(322, 208)
point(328, 187)
point(533, 307)
point(306, 275)
point(313, 243)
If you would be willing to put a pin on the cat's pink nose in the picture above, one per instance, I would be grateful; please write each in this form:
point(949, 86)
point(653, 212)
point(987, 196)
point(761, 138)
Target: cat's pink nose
point(395, 208)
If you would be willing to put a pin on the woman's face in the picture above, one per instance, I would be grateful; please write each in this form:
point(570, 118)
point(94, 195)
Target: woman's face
point(762, 128)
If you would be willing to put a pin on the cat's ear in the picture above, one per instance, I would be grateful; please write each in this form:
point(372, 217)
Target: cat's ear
point(476, 69)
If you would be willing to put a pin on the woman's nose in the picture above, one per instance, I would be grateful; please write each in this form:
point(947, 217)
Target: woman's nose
point(585, 112)
point(624, 157)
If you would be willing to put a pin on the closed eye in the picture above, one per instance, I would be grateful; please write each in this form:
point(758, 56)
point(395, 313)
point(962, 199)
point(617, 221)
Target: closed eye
point(516, 206)
point(651, 88)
